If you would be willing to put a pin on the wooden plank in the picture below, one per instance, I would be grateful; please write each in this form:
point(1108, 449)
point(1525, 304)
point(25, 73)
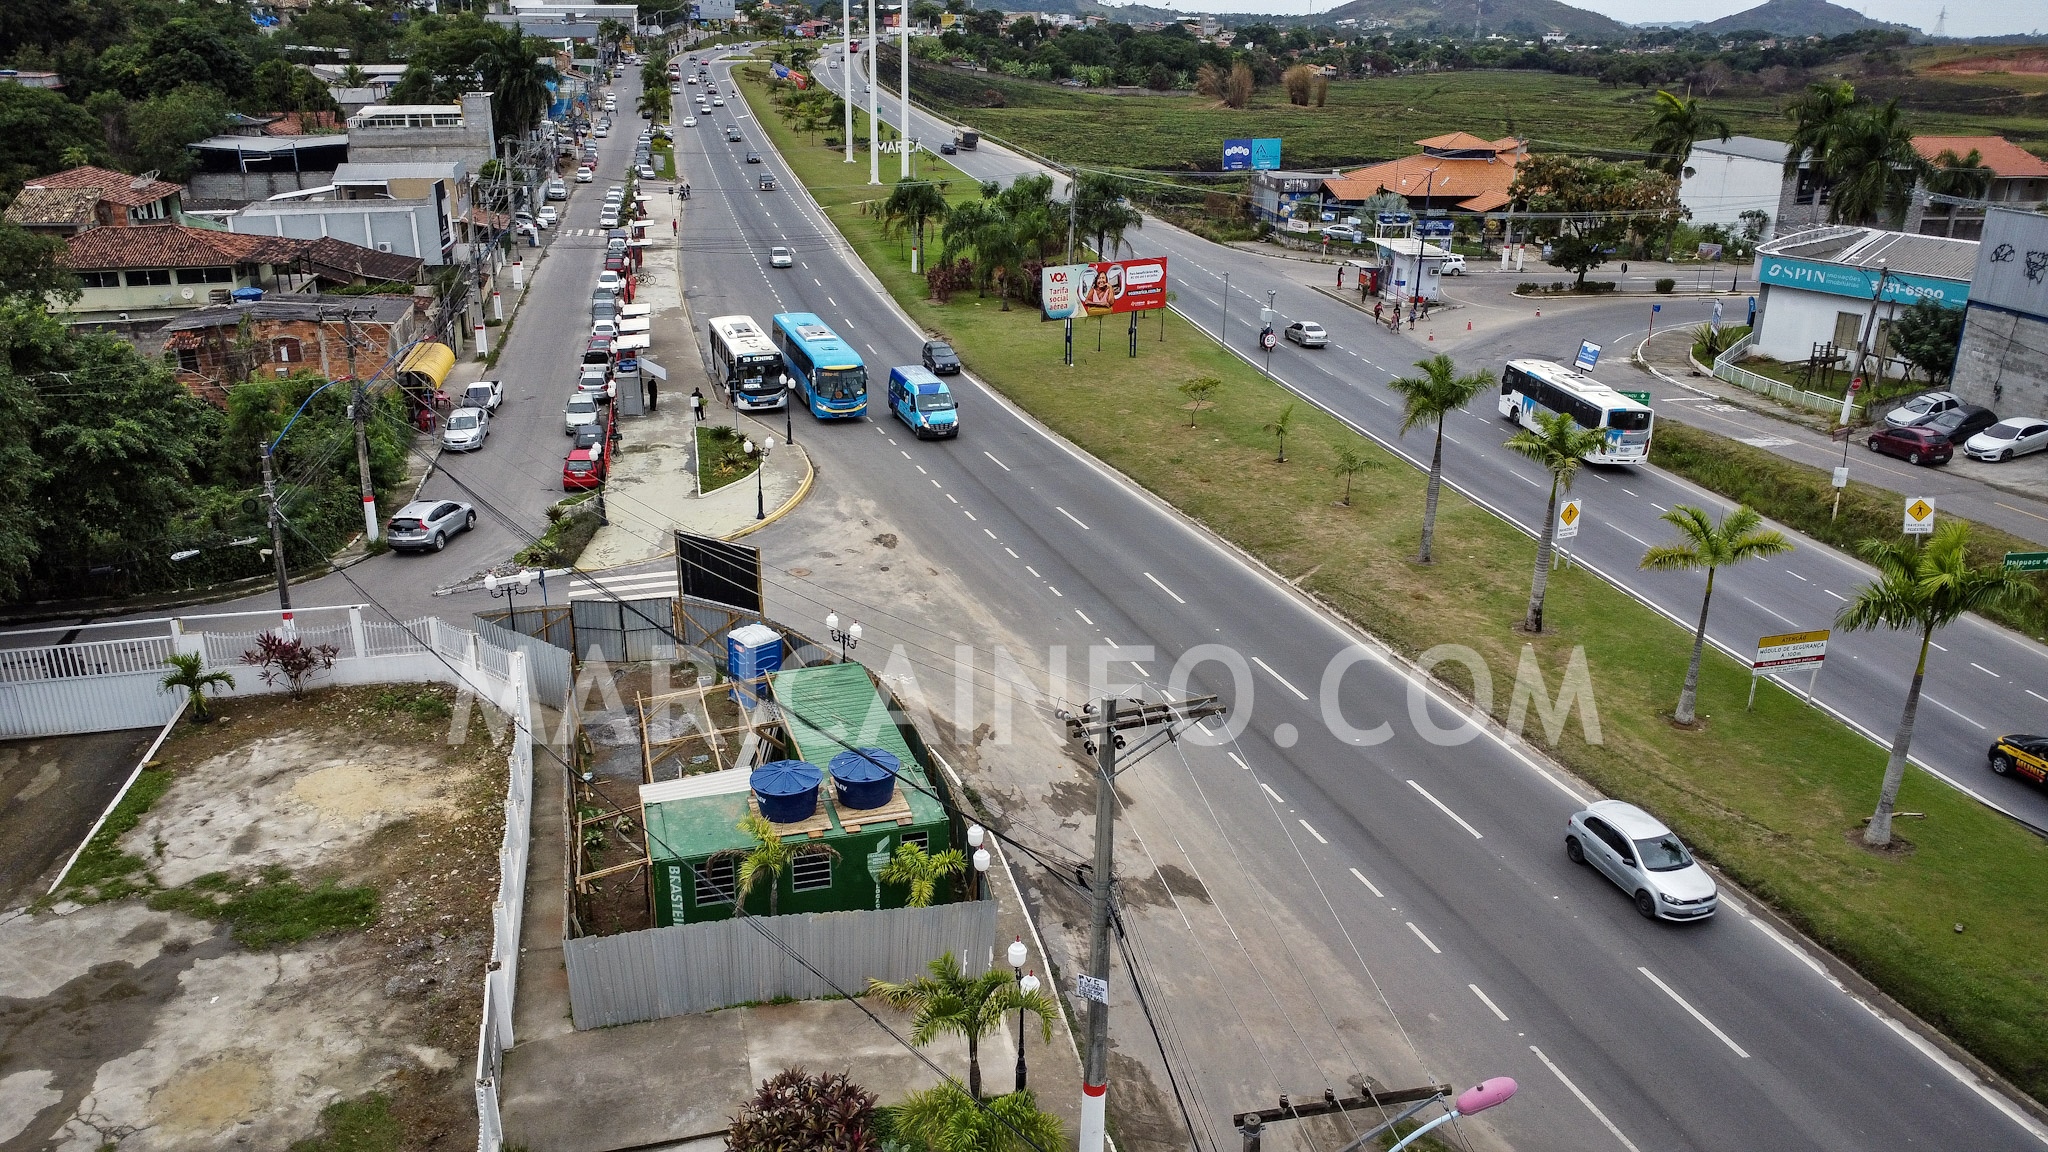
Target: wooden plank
point(896, 811)
point(814, 828)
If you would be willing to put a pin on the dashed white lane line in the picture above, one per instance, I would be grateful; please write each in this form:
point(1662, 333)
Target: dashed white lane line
point(990, 535)
point(1070, 516)
point(1695, 1013)
point(2036, 695)
point(1270, 792)
point(835, 304)
point(1986, 671)
point(1013, 555)
point(1239, 761)
point(950, 496)
point(1937, 647)
point(998, 463)
point(1797, 576)
point(1312, 831)
point(1630, 535)
point(920, 470)
point(1419, 936)
point(1282, 679)
point(1488, 1001)
point(969, 515)
point(1583, 1099)
point(1163, 588)
point(1056, 592)
point(1946, 708)
point(1660, 508)
point(1034, 572)
point(1779, 615)
point(1369, 885)
point(1836, 595)
point(1446, 809)
point(936, 484)
point(1525, 480)
point(906, 455)
point(1084, 618)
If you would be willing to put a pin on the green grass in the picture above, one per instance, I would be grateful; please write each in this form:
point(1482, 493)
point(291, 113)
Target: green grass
point(663, 155)
point(364, 1124)
point(272, 910)
point(570, 527)
point(1774, 796)
point(103, 870)
point(721, 457)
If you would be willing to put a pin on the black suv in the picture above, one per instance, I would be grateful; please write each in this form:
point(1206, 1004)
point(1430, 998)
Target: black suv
point(940, 357)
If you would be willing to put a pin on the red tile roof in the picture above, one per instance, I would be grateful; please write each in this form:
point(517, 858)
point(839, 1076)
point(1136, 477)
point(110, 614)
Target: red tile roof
point(173, 246)
point(1465, 141)
point(2000, 155)
point(1448, 183)
point(115, 187)
point(303, 123)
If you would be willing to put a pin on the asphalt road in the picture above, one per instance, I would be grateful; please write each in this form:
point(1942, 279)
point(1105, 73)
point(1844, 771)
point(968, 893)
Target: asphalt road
point(1496, 955)
point(1983, 680)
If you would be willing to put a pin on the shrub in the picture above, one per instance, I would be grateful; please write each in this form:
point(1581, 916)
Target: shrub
point(1596, 287)
point(792, 1109)
point(1528, 286)
point(290, 661)
point(1666, 284)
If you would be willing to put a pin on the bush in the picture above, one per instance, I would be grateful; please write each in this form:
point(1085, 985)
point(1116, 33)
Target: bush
point(1666, 284)
point(289, 661)
point(792, 1109)
point(1528, 286)
point(1596, 287)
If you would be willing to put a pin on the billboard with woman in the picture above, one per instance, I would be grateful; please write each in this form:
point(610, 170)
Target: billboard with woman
point(1072, 291)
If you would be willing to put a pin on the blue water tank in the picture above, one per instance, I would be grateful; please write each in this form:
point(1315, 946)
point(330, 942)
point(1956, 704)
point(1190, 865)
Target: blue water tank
point(787, 790)
point(865, 777)
point(751, 652)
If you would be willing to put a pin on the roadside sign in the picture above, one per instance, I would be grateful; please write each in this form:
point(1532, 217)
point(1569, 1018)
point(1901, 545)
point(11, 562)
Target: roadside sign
point(1839, 433)
point(1568, 518)
point(1638, 397)
point(2026, 561)
point(1589, 355)
point(1919, 516)
point(1842, 476)
point(1090, 988)
point(1790, 650)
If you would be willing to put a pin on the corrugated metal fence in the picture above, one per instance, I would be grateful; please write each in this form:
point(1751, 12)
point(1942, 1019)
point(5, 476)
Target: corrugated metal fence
point(549, 664)
point(690, 968)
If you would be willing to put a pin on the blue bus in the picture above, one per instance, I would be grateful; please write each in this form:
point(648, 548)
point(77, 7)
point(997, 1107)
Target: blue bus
point(826, 371)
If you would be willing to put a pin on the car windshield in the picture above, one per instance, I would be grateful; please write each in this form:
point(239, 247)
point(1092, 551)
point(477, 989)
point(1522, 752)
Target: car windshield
point(576, 466)
point(1663, 853)
point(934, 402)
point(478, 392)
point(2002, 432)
point(461, 421)
point(582, 407)
point(941, 351)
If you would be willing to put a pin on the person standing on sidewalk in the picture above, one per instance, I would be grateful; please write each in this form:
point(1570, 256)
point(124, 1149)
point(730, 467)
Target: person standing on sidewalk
point(1377, 307)
point(697, 404)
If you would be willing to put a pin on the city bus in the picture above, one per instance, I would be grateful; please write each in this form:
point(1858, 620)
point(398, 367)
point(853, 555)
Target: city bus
point(1528, 387)
point(824, 369)
point(748, 366)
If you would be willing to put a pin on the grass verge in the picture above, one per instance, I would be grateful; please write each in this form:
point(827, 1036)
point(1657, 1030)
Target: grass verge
point(571, 524)
point(272, 910)
point(721, 457)
point(1772, 796)
point(364, 1124)
point(103, 870)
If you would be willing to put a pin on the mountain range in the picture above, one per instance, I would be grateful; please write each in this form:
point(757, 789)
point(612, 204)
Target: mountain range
point(1515, 18)
point(1797, 18)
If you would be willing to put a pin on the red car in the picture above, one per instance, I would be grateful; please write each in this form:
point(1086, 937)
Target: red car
point(1917, 445)
point(583, 468)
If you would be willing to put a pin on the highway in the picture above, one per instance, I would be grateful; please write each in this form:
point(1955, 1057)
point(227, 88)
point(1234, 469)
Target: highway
point(1402, 909)
point(1983, 680)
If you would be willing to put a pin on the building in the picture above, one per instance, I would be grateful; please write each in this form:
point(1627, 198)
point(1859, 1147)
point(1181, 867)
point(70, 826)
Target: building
point(558, 21)
point(1408, 268)
point(378, 81)
point(1456, 172)
point(236, 170)
point(227, 343)
point(1726, 178)
point(416, 209)
point(153, 273)
point(79, 199)
point(2000, 364)
point(2018, 179)
point(1818, 285)
point(1289, 200)
point(419, 133)
point(30, 79)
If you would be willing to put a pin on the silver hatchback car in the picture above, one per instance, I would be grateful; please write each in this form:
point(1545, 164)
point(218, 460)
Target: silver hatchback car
point(426, 525)
point(1636, 851)
point(465, 430)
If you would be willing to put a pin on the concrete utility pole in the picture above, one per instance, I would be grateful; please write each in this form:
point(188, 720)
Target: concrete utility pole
point(874, 122)
point(284, 588)
point(1863, 342)
point(1101, 728)
point(846, 72)
point(359, 412)
point(903, 87)
point(1073, 199)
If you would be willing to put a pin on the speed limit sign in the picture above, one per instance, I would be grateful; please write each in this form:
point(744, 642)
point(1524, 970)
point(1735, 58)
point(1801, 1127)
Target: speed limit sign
point(1267, 340)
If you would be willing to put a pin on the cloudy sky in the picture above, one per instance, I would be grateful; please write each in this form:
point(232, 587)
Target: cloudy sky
point(1965, 17)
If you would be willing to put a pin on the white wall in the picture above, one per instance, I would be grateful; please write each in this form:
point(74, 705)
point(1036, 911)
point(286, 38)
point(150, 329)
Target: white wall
point(1723, 187)
point(1791, 321)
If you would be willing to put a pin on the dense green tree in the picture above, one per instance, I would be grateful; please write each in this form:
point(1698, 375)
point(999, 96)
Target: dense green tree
point(948, 1002)
point(185, 52)
point(1927, 336)
point(37, 126)
point(448, 56)
point(1102, 210)
point(912, 206)
point(281, 86)
point(1871, 163)
point(162, 126)
point(30, 268)
point(1601, 203)
point(1676, 124)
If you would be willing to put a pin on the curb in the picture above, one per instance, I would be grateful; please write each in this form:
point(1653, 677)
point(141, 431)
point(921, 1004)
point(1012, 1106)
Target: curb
point(802, 490)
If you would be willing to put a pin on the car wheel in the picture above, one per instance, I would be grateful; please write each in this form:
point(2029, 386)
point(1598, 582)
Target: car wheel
point(439, 543)
point(2001, 764)
point(2004, 456)
point(1912, 457)
point(1873, 443)
point(1646, 903)
point(469, 521)
point(1573, 850)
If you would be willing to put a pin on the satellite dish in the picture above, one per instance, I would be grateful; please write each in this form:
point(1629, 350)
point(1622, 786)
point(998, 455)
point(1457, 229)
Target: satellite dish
point(186, 293)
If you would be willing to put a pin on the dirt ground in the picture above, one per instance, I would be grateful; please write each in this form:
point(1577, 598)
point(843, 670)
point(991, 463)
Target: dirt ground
point(147, 1029)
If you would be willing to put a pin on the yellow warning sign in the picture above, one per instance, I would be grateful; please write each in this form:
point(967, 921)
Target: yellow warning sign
point(1570, 513)
point(1919, 516)
point(1567, 520)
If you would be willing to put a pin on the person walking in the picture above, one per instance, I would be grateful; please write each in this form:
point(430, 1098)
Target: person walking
point(697, 404)
point(1412, 307)
point(1377, 307)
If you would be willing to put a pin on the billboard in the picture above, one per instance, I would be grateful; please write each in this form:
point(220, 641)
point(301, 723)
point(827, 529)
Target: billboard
point(1859, 283)
point(1072, 291)
point(1260, 154)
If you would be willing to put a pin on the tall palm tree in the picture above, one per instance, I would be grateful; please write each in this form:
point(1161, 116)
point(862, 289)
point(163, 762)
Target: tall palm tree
point(1924, 588)
point(1815, 115)
point(1560, 445)
point(1429, 398)
point(1704, 544)
point(768, 859)
point(188, 675)
point(1964, 176)
point(1101, 210)
point(947, 1001)
point(921, 871)
point(912, 204)
point(1676, 124)
point(654, 102)
point(945, 1118)
point(515, 69)
point(1873, 167)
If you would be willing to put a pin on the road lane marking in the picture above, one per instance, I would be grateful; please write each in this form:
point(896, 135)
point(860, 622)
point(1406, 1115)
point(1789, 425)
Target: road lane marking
point(1056, 592)
point(1165, 589)
point(1370, 887)
point(1779, 615)
point(1590, 1106)
point(1282, 679)
point(951, 497)
point(1696, 1013)
point(1270, 792)
point(969, 515)
point(920, 470)
point(1630, 535)
point(1488, 1001)
point(1946, 708)
point(1659, 507)
point(1013, 555)
point(1071, 516)
point(936, 484)
point(1419, 936)
point(1034, 572)
point(2036, 695)
point(1084, 618)
point(1525, 480)
point(1836, 595)
point(906, 455)
point(1446, 810)
point(1624, 489)
point(999, 463)
point(1984, 670)
point(1312, 831)
point(991, 535)
point(2021, 511)
point(1797, 576)
point(1936, 647)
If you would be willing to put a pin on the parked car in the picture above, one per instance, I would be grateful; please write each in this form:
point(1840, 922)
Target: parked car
point(1913, 445)
point(557, 190)
point(465, 430)
point(596, 383)
point(547, 217)
point(611, 282)
point(584, 468)
point(940, 358)
point(606, 328)
point(1306, 333)
point(581, 413)
point(2013, 436)
point(1454, 265)
point(1344, 233)
point(426, 525)
point(779, 257)
point(588, 434)
point(1643, 857)
point(615, 262)
point(1918, 408)
point(584, 175)
point(484, 394)
point(523, 219)
point(1961, 423)
point(601, 132)
point(647, 172)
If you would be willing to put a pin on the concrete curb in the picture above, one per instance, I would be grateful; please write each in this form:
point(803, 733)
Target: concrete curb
point(802, 490)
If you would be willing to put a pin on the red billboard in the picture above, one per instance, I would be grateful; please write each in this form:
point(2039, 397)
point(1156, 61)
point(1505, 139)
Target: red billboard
point(1071, 291)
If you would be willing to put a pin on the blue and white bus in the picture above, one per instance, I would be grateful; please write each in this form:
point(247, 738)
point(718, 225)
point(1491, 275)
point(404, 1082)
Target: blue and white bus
point(1528, 387)
point(826, 371)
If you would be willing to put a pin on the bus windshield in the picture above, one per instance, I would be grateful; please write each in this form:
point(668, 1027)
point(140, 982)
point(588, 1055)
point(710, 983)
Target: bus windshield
point(1628, 419)
point(758, 374)
point(840, 383)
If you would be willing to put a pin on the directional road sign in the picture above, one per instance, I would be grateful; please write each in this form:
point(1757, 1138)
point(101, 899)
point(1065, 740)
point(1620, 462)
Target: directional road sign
point(1919, 516)
point(2027, 561)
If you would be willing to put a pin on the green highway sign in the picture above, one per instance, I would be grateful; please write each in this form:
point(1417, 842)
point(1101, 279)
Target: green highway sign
point(2026, 561)
point(1638, 397)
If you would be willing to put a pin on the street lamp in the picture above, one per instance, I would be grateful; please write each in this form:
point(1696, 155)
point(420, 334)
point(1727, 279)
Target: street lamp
point(848, 640)
point(1027, 984)
point(760, 494)
point(975, 835)
point(1478, 1098)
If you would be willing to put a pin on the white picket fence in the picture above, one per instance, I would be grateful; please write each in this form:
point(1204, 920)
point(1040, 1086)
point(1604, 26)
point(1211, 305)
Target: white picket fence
point(1726, 369)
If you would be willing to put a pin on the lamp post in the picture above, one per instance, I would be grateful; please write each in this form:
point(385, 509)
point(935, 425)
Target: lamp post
point(1026, 984)
point(1478, 1098)
point(975, 835)
point(760, 493)
point(848, 640)
point(506, 587)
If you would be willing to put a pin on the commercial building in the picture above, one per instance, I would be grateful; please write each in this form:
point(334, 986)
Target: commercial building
point(1726, 178)
point(2012, 177)
point(2003, 361)
point(1822, 289)
point(424, 133)
point(1456, 172)
point(408, 209)
point(1289, 200)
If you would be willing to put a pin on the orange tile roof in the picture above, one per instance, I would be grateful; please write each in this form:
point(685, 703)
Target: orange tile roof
point(1429, 177)
point(117, 187)
point(1456, 140)
point(2000, 155)
point(1486, 202)
point(173, 246)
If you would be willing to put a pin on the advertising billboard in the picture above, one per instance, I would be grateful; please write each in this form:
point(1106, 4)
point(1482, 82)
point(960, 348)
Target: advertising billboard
point(1859, 283)
point(1072, 291)
point(1243, 155)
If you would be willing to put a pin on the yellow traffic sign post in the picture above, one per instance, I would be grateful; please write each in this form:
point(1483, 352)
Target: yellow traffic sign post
point(1785, 652)
point(1919, 516)
point(1569, 515)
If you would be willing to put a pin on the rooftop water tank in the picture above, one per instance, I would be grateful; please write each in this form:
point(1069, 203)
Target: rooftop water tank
point(787, 790)
point(865, 777)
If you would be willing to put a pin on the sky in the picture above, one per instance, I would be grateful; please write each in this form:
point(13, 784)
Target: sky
point(1965, 17)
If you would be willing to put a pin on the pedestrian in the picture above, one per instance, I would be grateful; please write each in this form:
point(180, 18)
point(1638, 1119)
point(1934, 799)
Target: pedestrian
point(1411, 317)
point(697, 404)
point(653, 394)
point(1377, 307)
point(675, 227)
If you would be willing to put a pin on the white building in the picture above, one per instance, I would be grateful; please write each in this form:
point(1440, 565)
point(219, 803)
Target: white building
point(410, 209)
point(1818, 286)
point(1725, 178)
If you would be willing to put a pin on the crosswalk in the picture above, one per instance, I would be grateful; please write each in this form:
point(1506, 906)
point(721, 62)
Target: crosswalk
point(627, 585)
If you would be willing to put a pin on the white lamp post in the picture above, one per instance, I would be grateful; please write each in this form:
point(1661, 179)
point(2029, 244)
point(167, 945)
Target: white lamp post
point(1027, 985)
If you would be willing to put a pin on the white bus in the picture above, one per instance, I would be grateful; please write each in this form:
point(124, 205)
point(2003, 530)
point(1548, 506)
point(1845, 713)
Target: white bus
point(1528, 387)
point(747, 363)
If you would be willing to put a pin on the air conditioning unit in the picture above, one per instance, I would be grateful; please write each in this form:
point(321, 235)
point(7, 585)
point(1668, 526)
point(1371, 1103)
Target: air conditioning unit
point(383, 245)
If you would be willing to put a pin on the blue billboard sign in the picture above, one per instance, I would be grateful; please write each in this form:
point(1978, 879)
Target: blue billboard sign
point(1391, 219)
point(1266, 154)
point(1859, 283)
point(1261, 154)
point(1237, 155)
point(1435, 226)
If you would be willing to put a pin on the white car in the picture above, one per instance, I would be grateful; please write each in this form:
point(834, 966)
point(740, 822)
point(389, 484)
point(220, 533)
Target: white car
point(610, 282)
point(609, 329)
point(465, 430)
point(584, 175)
point(689, 121)
point(690, 80)
point(2013, 436)
point(1919, 408)
point(1644, 858)
point(601, 132)
point(484, 394)
point(557, 190)
point(1454, 265)
point(547, 216)
point(718, 101)
point(581, 413)
point(1345, 233)
point(1306, 333)
point(779, 257)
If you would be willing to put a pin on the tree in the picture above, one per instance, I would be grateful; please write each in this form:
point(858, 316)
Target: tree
point(1739, 537)
point(1299, 82)
point(31, 268)
point(1927, 336)
point(654, 102)
point(1926, 589)
point(184, 52)
point(448, 56)
point(1560, 445)
point(1102, 210)
point(1278, 427)
point(1873, 167)
point(1676, 123)
point(188, 675)
point(1198, 392)
point(1350, 462)
point(912, 204)
point(921, 871)
point(945, 1119)
point(947, 1002)
point(289, 661)
point(768, 859)
point(1428, 399)
point(36, 126)
point(162, 127)
point(1598, 203)
point(1816, 114)
point(793, 1110)
point(1237, 91)
point(1964, 176)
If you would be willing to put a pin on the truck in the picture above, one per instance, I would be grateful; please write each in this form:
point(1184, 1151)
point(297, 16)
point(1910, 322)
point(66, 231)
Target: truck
point(966, 138)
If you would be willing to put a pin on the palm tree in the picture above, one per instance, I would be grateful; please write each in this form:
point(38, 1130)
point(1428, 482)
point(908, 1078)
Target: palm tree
point(945, 1118)
point(948, 1002)
point(911, 205)
point(1350, 462)
point(1102, 210)
point(1873, 167)
point(1816, 114)
point(1278, 428)
point(1431, 397)
point(514, 69)
point(353, 76)
point(770, 856)
point(1560, 446)
point(1676, 124)
point(188, 675)
point(1964, 176)
point(921, 871)
point(1705, 544)
point(654, 102)
point(1924, 588)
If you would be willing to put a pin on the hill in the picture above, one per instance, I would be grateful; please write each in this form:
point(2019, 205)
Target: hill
point(1524, 17)
point(1796, 18)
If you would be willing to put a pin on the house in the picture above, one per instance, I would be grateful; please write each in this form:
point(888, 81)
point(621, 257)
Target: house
point(227, 343)
point(2018, 179)
point(1456, 172)
point(418, 209)
point(78, 199)
point(30, 79)
point(1999, 364)
point(156, 272)
point(235, 170)
point(1818, 286)
point(421, 133)
point(1726, 178)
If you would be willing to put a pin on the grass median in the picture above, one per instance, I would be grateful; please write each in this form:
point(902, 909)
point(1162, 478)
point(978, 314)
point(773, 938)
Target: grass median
point(1774, 796)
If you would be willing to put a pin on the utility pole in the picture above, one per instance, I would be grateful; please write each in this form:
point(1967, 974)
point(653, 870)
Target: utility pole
point(1101, 728)
point(284, 588)
point(874, 106)
point(1863, 342)
point(846, 73)
point(903, 88)
point(359, 410)
point(1073, 201)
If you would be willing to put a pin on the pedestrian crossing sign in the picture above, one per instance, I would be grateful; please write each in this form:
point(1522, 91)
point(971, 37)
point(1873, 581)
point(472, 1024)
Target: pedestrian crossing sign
point(1919, 516)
